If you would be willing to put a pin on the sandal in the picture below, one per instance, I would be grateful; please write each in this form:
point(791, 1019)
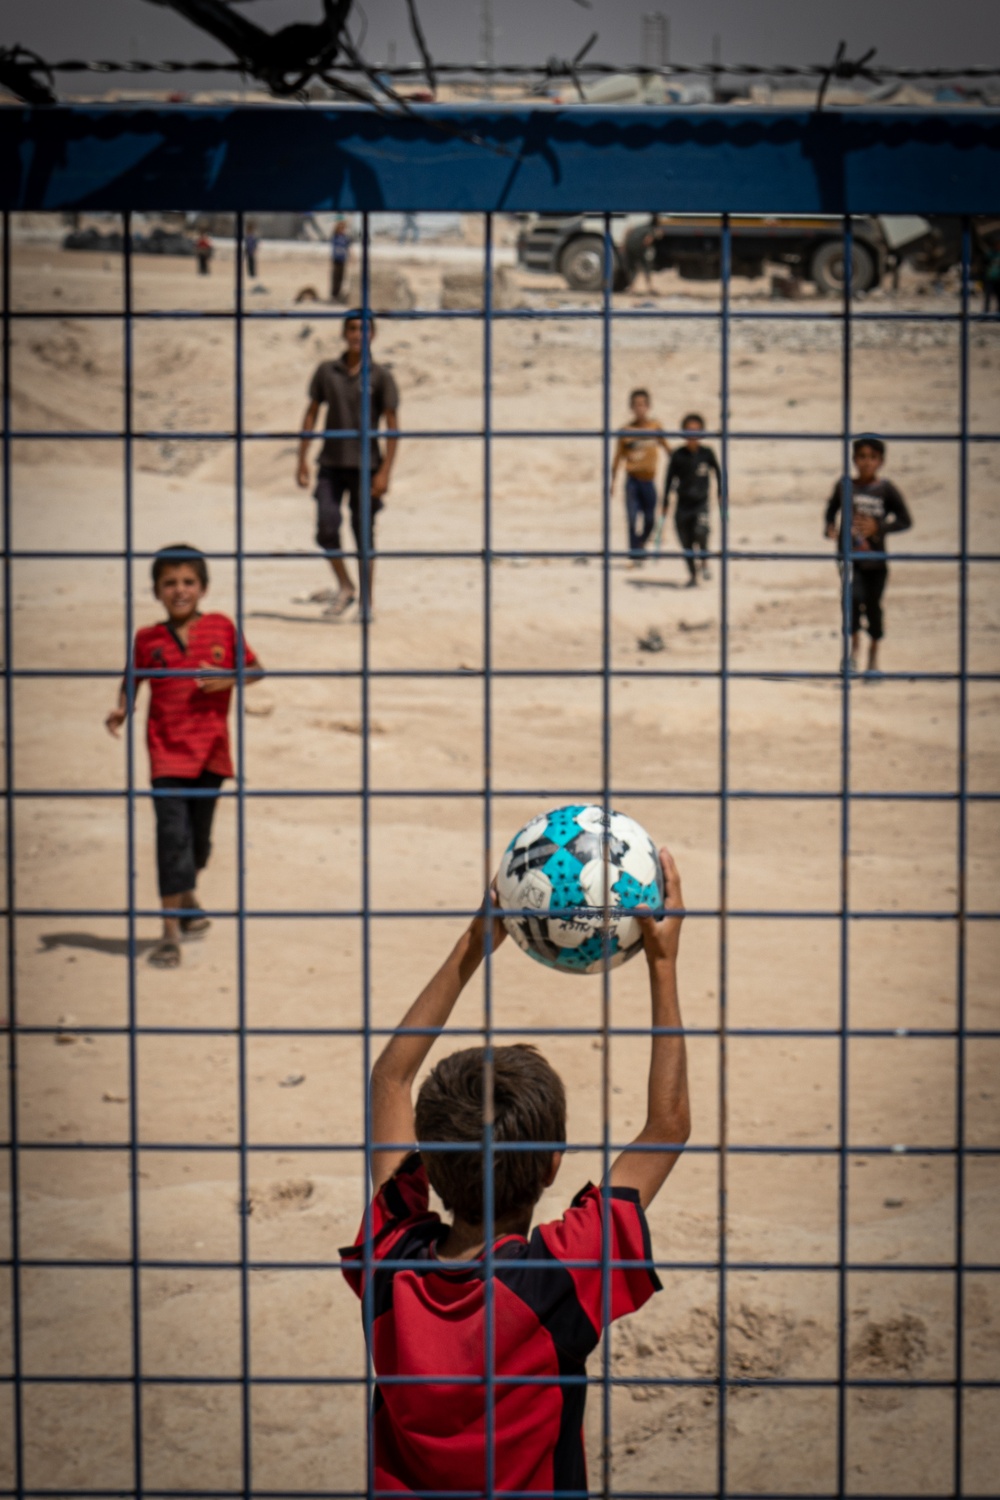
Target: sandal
point(340, 605)
point(194, 926)
point(318, 596)
point(166, 955)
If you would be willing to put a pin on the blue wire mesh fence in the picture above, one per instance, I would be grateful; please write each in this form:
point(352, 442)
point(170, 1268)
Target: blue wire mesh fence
point(805, 1344)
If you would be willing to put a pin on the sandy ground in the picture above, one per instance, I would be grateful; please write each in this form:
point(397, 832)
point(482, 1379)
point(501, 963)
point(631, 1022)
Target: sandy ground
point(303, 1092)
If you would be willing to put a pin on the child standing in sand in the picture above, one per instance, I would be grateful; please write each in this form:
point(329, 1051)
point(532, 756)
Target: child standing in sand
point(639, 456)
point(336, 384)
point(187, 732)
point(877, 508)
point(690, 469)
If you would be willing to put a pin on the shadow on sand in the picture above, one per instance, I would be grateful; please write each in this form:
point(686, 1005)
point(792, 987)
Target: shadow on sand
point(654, 583)
point(116, 947)
point(275, 614)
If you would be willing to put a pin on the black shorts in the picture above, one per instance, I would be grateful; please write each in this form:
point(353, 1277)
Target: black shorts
point(183, 830)
point(692, 528)
point(867, 588)
point(331, 487)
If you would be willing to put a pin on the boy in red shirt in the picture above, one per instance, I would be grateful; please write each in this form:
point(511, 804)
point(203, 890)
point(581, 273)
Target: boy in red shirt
point(429, 1315)
point(187, 731)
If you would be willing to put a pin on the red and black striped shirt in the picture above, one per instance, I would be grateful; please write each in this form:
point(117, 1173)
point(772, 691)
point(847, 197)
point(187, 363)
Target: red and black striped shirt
point(429, 1321)
point(187, 730)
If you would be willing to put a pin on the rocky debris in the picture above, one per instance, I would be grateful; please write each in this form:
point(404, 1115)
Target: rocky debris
point(898, 1345)
point(462, 291)
point(277, 1198)
point(390, 291)
point(157, 242)
point(786, 287)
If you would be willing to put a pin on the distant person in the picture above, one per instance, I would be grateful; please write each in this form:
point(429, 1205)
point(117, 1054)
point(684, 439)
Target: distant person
point(877, 508)
point(991, 278)
point(340, 254)
point(336, 384)
point(187, 733)
point(204, 250)
point(410, 229)
point(640, 252)
point(639, 456)
point(250, 244)
point(690, 469)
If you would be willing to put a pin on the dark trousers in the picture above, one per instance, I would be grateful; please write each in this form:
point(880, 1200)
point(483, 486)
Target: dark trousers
point(337, 269)
point(183, 830)
point(640, 505)
point(991, 293)
point(332, 486)
point(692, 531)
point(204, 262)
point(252, 264)
point(867, 588)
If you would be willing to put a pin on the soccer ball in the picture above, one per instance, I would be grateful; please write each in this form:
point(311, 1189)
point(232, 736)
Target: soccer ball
point(582, 858)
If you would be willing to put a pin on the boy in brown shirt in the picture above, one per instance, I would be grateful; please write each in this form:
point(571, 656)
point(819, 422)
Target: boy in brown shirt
point(336, 384)
point(640, 458)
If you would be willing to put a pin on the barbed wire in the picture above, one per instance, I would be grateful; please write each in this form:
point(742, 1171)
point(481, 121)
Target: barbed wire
point(560, 69)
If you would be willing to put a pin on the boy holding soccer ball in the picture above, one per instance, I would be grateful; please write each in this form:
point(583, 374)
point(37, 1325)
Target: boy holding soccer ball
point(429, 1317)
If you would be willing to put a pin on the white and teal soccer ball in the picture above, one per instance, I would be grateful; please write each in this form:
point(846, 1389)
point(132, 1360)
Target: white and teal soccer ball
point(579, 861)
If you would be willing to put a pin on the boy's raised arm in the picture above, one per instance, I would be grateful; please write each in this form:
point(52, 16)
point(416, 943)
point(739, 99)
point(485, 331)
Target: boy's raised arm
point(668, 1113)
point(402, 1057)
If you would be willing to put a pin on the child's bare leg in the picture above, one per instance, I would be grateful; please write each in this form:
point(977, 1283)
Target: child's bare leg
point(167, 953)
point(856, 645)
point(342, 575)
point(873, 656)
point(343, 600)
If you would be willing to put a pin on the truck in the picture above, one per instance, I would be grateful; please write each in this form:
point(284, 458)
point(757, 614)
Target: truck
point(809, 248)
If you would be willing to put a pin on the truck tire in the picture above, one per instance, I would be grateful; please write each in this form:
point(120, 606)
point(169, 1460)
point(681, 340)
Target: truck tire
point(582, 265)
point(826, 268)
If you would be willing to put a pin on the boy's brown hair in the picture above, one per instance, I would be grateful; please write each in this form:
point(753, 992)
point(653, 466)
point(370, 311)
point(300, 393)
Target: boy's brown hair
point(529, 1104)
point(176, 556)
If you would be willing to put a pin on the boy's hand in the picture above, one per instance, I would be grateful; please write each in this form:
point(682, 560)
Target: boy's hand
point(302, 475)
point(831, 532)
point(113, 723)
point(865, 526)
point(661, 936)
point(499, 931)
point(214, 684)
point(380, 483)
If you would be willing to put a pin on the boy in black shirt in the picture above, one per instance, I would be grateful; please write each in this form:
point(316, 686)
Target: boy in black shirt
point(877, 508)
point(689, 469)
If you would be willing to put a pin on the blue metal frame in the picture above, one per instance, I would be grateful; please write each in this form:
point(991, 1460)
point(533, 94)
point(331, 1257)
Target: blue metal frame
point(484, 159)
point(717, 161)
